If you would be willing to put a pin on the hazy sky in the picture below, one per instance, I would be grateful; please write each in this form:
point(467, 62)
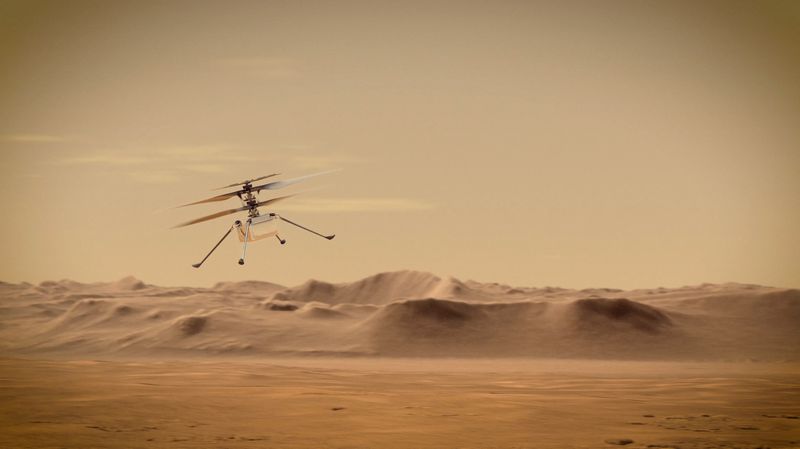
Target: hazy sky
point(579, 143)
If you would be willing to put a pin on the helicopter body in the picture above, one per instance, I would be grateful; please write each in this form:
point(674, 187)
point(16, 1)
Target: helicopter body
point(255, 226)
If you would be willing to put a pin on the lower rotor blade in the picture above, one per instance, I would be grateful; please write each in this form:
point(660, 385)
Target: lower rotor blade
point(211, 217)
point(274, 200)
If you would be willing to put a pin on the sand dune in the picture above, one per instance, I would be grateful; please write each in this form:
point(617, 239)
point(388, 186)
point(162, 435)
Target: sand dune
point(381, 288)
point(405, 313)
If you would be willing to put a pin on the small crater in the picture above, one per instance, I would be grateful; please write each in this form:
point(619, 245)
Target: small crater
point(123, 310)
point(281, 307)
point(192, 325)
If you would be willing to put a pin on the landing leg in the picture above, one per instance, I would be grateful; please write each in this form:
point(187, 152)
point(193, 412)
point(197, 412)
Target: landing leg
point(197, 265)
point(280, 239)
point(246, 236)
point(329, 237)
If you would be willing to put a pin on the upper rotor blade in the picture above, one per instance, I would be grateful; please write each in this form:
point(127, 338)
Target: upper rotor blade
point(264, 177)
point(286, 182)
point(268, 186)
point(236, 184)
point(222, 197)
point(211, 217)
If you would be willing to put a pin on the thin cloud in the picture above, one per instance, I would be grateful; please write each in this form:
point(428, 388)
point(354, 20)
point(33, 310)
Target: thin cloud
point(161, 165)
point(355, 205)
point(34, 138)
point(172, 163)
point(199, 155)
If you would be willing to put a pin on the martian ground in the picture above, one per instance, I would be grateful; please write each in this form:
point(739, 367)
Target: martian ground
point(397, 360)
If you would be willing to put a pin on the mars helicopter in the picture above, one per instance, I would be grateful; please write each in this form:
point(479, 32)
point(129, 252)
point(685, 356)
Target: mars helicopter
point(257, 226)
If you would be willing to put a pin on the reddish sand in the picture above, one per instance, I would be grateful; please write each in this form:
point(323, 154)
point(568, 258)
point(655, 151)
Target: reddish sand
point(377, 403)
point(397, 360)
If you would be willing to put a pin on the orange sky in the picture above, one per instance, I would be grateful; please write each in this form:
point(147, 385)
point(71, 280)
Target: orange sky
point(580, 143)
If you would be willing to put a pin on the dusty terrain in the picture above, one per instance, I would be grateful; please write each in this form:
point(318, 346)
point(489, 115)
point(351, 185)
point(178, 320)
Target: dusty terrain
point(397, 360)
point(397, 404)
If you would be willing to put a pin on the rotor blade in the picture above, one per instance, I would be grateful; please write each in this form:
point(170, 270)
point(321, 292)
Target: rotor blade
point(287, 182)
point(274, 200)
point(231, 211)
point(222, 197)
point(268, 186)
point(236, 184)
point(264, 177)
point(211, 217)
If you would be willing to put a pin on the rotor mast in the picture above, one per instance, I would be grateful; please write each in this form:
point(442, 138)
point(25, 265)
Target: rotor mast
point(249, 199)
